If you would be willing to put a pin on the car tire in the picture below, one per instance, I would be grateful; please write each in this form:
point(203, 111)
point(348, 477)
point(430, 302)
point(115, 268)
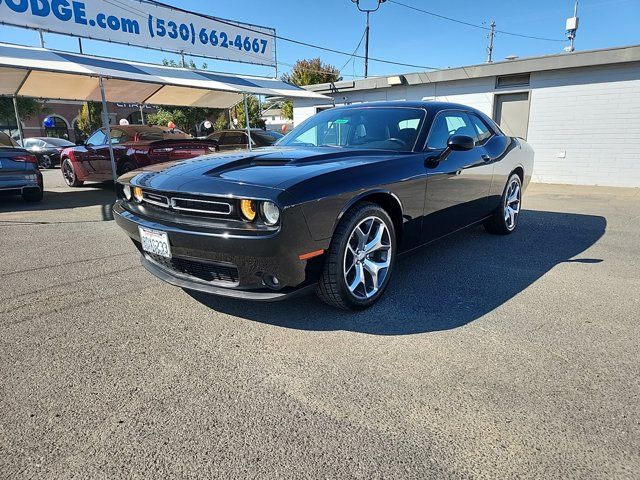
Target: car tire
point(32, 196)
point(69, 173)
point(348, 263)
point(44, 161)
point(125, 167)
point(505, 219)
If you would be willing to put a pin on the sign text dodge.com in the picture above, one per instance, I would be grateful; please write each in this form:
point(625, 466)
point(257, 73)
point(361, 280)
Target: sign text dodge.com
point(156, 26)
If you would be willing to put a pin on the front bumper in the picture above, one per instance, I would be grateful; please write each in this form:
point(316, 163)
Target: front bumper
point(255, 256)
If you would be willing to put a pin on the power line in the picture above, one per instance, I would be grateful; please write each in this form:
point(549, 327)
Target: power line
point(354, 52)
point(474, 25)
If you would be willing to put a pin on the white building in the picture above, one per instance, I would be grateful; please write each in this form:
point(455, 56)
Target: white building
point(580, 111)
point(274, 120)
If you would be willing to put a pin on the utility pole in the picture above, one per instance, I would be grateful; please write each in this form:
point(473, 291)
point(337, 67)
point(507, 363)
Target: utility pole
point(492, 33)
point(368, 11)
point(572, 28)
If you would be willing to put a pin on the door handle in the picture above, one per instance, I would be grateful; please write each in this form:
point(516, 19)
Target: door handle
point(485, 157)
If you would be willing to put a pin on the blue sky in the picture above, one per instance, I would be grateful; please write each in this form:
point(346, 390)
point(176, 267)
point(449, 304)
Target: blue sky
point(397, 33)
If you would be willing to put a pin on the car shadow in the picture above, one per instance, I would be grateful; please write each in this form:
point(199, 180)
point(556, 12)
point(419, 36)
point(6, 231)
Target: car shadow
point(444, 285)
point(95, 194)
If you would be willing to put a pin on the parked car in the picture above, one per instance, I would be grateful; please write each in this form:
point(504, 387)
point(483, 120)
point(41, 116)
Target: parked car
point(46, 149)
point(331, 206)
point(19, 172)
point(134, 146)
point(237, 139)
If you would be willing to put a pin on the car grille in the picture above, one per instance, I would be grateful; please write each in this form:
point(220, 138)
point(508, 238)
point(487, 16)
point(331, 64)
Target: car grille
point(189, 205)
point(209, 272)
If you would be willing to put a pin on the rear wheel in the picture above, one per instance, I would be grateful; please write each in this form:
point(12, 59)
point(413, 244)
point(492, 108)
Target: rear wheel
point(505, 219)
point(69, 174)
point(360, 259)
point(44, 161)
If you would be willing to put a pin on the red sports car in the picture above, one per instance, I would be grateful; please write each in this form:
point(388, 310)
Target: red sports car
point(134, 146)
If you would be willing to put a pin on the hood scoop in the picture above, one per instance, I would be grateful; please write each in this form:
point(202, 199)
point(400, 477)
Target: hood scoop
point(244, 162)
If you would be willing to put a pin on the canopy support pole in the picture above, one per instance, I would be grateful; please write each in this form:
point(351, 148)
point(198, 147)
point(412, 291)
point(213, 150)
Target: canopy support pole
point(15, 109)
point(107, 128)
point(142, 115)
point(246, 120)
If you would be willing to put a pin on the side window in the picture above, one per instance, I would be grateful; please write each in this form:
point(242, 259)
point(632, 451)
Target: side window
point(29, 143)
point(482, 131)
point(98, 138)
point(447, 124)
point(234, 138)
point(116, 136)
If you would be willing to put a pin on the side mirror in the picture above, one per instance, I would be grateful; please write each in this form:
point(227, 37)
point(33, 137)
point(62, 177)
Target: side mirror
point(460, 143)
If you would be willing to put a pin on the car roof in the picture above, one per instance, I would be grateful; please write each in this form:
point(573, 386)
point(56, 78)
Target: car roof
point(427, 105)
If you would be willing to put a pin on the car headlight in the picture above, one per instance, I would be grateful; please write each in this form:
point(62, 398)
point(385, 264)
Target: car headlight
point(137, 194)
point(270, 213)
point(248, 209)
point(126, 189)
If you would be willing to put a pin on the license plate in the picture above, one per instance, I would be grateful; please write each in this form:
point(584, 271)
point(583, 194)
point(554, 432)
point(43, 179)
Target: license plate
point(154, 241)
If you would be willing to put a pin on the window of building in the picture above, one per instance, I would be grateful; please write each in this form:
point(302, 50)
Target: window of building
point(59, 128)
point(508, 81)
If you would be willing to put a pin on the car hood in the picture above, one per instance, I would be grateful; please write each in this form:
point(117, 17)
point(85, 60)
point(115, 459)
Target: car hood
point(269, 167)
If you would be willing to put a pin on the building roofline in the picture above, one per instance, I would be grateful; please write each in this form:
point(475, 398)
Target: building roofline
point(555, 61)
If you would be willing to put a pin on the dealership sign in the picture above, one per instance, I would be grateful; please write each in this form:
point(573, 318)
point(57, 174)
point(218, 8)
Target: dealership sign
point(145, 24)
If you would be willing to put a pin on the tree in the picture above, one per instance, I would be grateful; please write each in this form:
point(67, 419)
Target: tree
point(89, 118)
point(308, 72)
point(27, 108)
point(255, 113)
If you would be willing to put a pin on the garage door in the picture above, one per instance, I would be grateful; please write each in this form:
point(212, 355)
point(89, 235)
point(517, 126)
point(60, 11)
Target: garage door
point(512, 113)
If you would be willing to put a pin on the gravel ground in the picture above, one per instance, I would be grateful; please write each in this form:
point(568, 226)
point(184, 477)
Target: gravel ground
point(489, 357)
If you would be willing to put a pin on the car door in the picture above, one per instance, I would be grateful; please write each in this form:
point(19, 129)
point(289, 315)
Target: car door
point(88, 155)
point(458, 182)
point(103, 158)
point(233, 141)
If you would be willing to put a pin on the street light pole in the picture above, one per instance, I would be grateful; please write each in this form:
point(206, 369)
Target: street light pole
point(368, 11)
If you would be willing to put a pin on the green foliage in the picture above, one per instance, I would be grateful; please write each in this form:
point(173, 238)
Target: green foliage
point(308, 72)
point(27, 108)
point(89, 118)
point(222, 122)
point(255, 114)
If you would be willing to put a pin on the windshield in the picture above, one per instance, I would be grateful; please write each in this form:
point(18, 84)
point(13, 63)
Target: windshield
point(378, 128)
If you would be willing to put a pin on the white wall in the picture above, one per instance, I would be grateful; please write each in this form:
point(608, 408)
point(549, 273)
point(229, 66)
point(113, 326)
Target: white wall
point(590, 115)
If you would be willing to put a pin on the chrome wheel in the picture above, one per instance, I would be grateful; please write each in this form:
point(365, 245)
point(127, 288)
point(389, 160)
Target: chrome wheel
point(511, 207)
point(68, 173)
point(367, 258)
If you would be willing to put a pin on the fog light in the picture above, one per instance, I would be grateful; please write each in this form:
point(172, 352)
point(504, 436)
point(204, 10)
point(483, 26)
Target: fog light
point(248, 209)
point(126, 189)
point(137, 194)
point(272, 282)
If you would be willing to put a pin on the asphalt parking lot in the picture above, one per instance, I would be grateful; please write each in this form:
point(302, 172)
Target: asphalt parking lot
point(489, 357)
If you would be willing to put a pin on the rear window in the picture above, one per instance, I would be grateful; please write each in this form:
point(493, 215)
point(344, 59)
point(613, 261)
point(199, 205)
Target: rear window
point(267, 137)
point(153, 135)
point(6, 141)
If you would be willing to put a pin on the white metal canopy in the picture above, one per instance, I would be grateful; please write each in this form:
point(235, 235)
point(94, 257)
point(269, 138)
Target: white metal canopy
point(42, 73)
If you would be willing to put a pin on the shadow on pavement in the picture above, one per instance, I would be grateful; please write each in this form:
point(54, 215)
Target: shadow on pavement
point(95, 194)
point(444, 285)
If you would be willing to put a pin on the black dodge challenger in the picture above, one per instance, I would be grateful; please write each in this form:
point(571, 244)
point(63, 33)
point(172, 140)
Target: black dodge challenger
point(330, 206)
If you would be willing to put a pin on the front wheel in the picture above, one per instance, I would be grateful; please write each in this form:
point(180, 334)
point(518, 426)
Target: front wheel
point(360, 259)
point(505, 219)
point(69, 174)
